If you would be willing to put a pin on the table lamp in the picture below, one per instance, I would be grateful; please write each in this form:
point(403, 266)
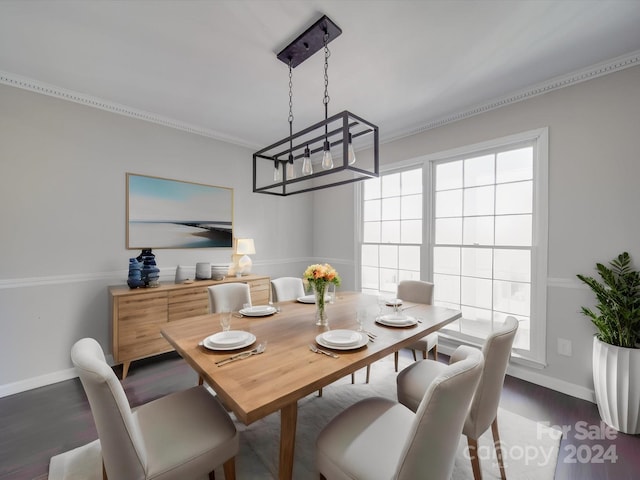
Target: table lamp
point(245, 247)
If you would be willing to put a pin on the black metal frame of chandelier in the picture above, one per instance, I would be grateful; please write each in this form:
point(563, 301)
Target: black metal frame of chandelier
point(344, 141)
point(318, 138)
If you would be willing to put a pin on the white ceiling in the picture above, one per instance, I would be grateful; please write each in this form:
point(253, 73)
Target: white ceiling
point(211, 65)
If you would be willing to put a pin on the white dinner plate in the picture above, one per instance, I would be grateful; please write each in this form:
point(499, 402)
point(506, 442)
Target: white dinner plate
point(258, 311)
point(396, 320)
point(310, 298)
point(307, 299)
point(249, 338)
point(364, 339)
point(341, 338)
point(229, 338)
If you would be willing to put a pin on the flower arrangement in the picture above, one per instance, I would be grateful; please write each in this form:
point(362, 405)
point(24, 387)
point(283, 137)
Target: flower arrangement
point(318, 274)
point(319, 277)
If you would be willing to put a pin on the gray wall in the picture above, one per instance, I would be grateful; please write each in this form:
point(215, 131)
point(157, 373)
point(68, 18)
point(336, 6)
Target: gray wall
point(62, 211)
point(594, 167)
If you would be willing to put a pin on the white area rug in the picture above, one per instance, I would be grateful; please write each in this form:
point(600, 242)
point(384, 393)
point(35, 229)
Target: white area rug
point(530, 449)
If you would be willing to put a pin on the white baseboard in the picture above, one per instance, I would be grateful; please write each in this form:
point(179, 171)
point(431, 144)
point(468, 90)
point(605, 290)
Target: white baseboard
point(37, 382)
point(537, 378)
point(41, 381)
point(556, 384)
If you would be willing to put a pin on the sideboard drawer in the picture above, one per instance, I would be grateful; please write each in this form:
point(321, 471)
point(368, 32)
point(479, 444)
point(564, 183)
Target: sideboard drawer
point(188, 302)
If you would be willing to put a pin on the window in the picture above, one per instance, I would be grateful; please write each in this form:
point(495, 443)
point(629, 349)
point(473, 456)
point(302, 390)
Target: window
point(391, 230)
point(478, 231)
point(483, 239)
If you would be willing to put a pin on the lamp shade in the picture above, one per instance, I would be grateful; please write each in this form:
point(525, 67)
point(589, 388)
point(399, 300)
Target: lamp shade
point(245, 246)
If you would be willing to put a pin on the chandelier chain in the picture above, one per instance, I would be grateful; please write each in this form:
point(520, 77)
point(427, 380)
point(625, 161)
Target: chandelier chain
point(290, 94)
point(327, 54)
point(290, 158)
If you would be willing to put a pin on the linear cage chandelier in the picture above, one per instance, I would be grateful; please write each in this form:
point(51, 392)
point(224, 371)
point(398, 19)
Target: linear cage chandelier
point(324, 154)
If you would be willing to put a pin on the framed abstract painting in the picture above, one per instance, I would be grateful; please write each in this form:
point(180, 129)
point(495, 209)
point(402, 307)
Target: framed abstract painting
point(164, 213)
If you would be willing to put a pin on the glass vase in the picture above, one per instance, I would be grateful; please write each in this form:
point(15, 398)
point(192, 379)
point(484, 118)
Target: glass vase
point(321, 313)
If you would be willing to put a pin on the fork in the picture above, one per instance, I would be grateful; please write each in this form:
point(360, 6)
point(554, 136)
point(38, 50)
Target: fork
point(239, 354)
point(315, 349)
point(242, 355)
point(410, 306)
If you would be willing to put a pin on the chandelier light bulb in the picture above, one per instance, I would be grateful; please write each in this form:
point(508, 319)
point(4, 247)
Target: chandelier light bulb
point(276, 172)
point(327, 158)
point(351, 152)
point(291, 170)
point(307, 168)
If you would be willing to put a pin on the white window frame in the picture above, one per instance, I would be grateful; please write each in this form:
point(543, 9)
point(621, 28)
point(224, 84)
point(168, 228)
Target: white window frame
point(536, 356)
point(359, 200)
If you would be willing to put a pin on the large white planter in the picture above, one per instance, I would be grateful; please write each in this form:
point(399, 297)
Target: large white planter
point(616, 380)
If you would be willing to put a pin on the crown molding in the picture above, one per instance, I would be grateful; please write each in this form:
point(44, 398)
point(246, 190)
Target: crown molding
point(610, 66)
point(36, 86)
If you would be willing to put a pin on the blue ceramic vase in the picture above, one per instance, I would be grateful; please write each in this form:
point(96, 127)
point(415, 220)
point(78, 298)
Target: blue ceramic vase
point(135, 274)
point(150, 272)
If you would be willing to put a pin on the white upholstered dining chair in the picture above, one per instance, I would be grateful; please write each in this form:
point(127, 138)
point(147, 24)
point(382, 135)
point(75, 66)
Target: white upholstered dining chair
point(185, 434)
point(228, 297)
point(416, 378)
point(418, 291)
point(286, 288)
point(378, 438)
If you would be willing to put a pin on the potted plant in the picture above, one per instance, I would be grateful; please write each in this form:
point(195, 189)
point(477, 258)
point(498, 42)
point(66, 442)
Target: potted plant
point(616, 345)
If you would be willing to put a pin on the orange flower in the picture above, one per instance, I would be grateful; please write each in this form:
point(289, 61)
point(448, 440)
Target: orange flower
point(321, 274)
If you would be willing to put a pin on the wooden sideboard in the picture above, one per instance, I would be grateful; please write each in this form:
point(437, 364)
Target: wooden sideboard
point(138, 315)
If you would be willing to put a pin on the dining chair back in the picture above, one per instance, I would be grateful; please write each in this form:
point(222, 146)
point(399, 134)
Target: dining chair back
point(182, 435)
point(380, 438)
point(484, 407)
point(228, 297)
point(442, 409)
point(418, 291)
point(414, 380)
point(286, 288)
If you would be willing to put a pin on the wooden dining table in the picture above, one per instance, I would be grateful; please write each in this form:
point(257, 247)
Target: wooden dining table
point(288, 370)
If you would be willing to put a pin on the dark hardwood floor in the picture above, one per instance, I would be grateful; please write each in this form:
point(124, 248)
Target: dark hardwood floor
point(43, 422)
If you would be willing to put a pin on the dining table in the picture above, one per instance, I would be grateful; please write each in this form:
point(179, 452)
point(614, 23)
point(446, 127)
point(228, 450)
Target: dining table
point(288, 369)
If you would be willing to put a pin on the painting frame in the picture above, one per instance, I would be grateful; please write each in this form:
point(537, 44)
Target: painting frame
point(166, 213)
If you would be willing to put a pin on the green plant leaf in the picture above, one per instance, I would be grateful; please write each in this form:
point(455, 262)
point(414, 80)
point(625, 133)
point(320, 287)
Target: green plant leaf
point(617, 302)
